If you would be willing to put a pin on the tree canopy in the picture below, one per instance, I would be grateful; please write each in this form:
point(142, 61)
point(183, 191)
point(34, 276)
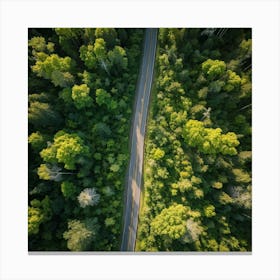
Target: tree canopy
point(197, 168)
point(81, 89)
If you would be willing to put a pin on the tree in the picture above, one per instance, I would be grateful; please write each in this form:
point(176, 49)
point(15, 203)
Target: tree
point(62, 79)
point(43, 115)
point(216, 86)
point(67, 148)
point(68, 189)
point(209, 140)
point(213, 69)
point(38, 44)
point(38, 212)
point(110, 222)
point(241, 176)
point(69, 40)
point(209, 210)
point(201, 88)
point(71, 150)
point(35, 218)
point(217, 185)
point(89, 35)
point(224, 198)
point(109, 35)
point(115, 167)
point(122, 35)
point(37, 141)
point(81, 234)
point(118, 59)
point(246, 48)
point(175, 88)
point(102, 130)
point(54, 68)
point(193, 231)
point(81, 97)
point(102, 97)
point(171, 222)
point(88, 197)
point(233, 81)
point(50, 172)
point(88, 57)
point(157, 153)
point(242, 196)
point(100, 49)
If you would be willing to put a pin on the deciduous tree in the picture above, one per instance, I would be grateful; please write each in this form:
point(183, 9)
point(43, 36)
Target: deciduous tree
point(88, 197)
point(54, 68)
point(81, 97)
point(171, 222)
point(67, 149)
point(109, 35)
point(213, 69)
point(209, 140)
point(81, 234)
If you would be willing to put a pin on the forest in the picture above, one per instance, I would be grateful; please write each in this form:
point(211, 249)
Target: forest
point(196, 191)
point(81, 86)
point(197, 172)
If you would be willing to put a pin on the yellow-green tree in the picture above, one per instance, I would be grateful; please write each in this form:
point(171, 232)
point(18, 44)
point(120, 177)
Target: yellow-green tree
point(81, 97)
point(38, 212)
point(67, 149)
point(213, 69)
point(54, 68)
point(171, 222)
point(209, 140)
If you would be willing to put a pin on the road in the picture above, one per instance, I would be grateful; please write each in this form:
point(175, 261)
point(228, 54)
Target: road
point(134, 178)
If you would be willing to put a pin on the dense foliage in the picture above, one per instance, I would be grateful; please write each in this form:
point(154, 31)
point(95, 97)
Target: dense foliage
point(81, 93)
point(197, 173)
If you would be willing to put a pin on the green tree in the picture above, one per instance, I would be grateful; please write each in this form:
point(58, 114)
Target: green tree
point(43, 115)
point(157, 153)
point(81, 97)
point(110, 222)
point(54, 68)
point(88, 57)
point(118, 59)
point(38, 44)
point(233, 81)
point(171, 222)
point(37, 141)
point(213, 69)
point(68, 189)
point(102, 97)
point(67, 149)
point(109, 35)
point(246, 48)
point(35, 218)
point(209, 210)
point(209, 140)
point(38, 212)
point(69, 40)
point(89, 35)
point(102, 130)
point(81, 234)
point(100, 49)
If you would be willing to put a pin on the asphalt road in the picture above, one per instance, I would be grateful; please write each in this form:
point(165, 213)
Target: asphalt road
point(137, 142)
